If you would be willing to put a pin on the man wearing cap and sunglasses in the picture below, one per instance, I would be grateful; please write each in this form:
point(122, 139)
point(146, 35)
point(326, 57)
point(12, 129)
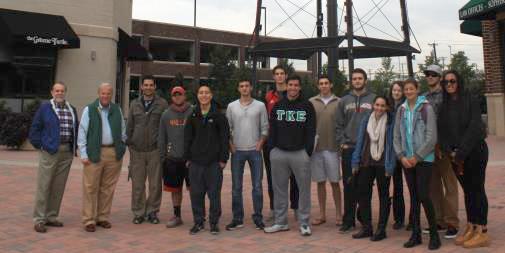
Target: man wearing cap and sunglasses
point(171, 147)
point(142, 131)
point(444, 185)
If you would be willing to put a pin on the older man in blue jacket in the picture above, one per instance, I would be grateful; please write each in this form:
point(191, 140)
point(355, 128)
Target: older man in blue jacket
point(54, 133)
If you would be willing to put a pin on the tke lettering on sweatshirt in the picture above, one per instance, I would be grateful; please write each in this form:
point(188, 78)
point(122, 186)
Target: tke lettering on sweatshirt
point(177, 122)
point(291, 116)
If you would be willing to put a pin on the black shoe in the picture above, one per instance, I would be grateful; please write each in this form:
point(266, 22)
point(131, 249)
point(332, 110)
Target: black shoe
point(363, 233)
point(378, 236)
point(196, 228)
point(409, 227)
point(413, 241)
point(451, 232)
point(153, 218)
point(346, 228)
point(398, 225)
point(259, 225)
point(138, 219)
point(233, 225)
point(214, 229)
point(434, 241)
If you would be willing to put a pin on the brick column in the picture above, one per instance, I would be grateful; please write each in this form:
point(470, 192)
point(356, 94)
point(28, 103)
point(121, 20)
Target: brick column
point(492, 38)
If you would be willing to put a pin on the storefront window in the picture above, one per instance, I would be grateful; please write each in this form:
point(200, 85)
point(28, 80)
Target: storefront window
point(27, 77)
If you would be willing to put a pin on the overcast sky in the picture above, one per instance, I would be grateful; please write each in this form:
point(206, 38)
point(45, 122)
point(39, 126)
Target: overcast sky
point(431, 20)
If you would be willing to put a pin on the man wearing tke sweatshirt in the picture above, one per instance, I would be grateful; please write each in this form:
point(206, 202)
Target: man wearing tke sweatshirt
point(292, 136)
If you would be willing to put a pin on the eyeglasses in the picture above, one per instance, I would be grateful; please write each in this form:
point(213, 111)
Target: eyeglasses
point(447, 82)
point(431, 74)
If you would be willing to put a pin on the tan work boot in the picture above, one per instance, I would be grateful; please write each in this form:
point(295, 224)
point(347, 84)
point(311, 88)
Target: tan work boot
point(479, 239)
point(464, 235)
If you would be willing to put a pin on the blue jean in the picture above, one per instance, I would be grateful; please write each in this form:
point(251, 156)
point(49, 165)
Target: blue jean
point(255, 161)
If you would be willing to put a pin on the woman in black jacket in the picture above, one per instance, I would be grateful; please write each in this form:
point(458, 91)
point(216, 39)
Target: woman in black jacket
point(206, 139)
point(462, 137)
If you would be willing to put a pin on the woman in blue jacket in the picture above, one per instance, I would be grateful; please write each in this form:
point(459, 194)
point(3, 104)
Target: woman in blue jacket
point(415, 136)
point(373, 158)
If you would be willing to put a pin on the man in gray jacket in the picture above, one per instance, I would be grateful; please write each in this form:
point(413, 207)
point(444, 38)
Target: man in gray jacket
point(350, 111)
point(142, 131)
point(171, 147)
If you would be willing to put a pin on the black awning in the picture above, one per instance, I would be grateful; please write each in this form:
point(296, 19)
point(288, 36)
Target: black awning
point(37, 29)
point(304, 48)
point(297, 48)
point(131, 49)
point(471, 27)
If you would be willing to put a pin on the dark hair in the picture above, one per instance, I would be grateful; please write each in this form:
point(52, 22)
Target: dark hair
point(147, 77)
point(411, 81)
point(294, 77)
point(390, 92)
point(382, 97)
point(323, 77)
point(203, 85)
point(60, 83)
point(244, 79)
point(461, 85)
point(278, 67)
point(359, 71)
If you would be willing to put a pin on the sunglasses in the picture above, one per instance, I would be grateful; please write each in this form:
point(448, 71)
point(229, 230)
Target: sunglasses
point(431, 74)
point(451, 81)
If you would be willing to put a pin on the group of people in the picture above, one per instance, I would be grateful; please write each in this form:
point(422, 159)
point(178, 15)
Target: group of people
point(436, 140)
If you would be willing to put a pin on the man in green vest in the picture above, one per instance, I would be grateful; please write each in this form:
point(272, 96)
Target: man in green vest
point(101, 142)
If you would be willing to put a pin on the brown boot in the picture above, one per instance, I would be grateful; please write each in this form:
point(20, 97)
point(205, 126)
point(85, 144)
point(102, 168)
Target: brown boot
point(464, 235)
point(479, 239)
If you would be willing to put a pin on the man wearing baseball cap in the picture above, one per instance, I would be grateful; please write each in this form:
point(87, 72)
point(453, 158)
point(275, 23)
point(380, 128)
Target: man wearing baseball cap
point(444, 185)
point(171, 147)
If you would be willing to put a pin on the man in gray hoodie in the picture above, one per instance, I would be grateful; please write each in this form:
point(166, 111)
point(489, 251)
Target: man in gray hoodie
point(171, 146)
point(350, 111)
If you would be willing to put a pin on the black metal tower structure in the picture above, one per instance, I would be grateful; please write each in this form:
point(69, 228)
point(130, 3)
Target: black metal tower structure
point(304, 48)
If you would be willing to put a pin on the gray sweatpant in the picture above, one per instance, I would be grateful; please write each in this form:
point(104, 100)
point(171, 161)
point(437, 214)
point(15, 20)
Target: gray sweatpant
point(283, 164)
point(145, 165)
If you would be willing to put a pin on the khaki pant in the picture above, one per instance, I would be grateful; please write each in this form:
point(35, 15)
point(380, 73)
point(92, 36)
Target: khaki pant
point(52, 178)
point(444, 193)
point(145, 165)
point(99, 182)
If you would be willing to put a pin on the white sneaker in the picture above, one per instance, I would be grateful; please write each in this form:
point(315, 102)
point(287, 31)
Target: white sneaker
point(276, 228)
point(305, 230)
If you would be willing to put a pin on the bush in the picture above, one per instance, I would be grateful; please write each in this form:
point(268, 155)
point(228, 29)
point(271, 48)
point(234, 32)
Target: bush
point(14, 129)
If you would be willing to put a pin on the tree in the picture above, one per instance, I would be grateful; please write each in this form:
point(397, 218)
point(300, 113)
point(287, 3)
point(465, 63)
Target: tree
point(459, 62)
point(288, 66)
point(383, 77)
point(221, 70)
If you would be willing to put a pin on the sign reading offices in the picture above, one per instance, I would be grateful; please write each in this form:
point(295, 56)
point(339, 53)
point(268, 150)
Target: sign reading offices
point(48, 41)
point(480, 8)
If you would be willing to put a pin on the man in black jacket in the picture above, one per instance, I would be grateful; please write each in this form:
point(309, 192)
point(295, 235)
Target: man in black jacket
point(206, 139)
point(292, 136)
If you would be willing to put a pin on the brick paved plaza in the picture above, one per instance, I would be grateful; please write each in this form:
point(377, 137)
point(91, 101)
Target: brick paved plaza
point(17, 183)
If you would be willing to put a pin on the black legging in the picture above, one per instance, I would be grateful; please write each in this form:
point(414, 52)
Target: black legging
point(418, 181)
point(366, 177)
point(472, 181)
point(398, 200)
point(293, 193)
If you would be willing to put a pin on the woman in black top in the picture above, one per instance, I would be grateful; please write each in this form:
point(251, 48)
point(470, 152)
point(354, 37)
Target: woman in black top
point(396, 98)
point(462, 137)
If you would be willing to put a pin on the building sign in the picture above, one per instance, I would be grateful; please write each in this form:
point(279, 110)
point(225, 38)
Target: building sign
point(476, 8)
point(46, 41)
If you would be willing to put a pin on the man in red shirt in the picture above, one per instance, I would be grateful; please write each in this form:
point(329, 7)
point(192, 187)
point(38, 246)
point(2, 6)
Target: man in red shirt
point(271, 98)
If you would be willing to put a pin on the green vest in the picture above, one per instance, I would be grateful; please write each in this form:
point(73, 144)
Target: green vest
point(94, 136)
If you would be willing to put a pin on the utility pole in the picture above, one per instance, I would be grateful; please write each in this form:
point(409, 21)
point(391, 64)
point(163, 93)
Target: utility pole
point(443, 61)
point(350, 37)
point(434, 45)
point(256, 38)
point(406, 35)
point(319, 24)
point(333, 33)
